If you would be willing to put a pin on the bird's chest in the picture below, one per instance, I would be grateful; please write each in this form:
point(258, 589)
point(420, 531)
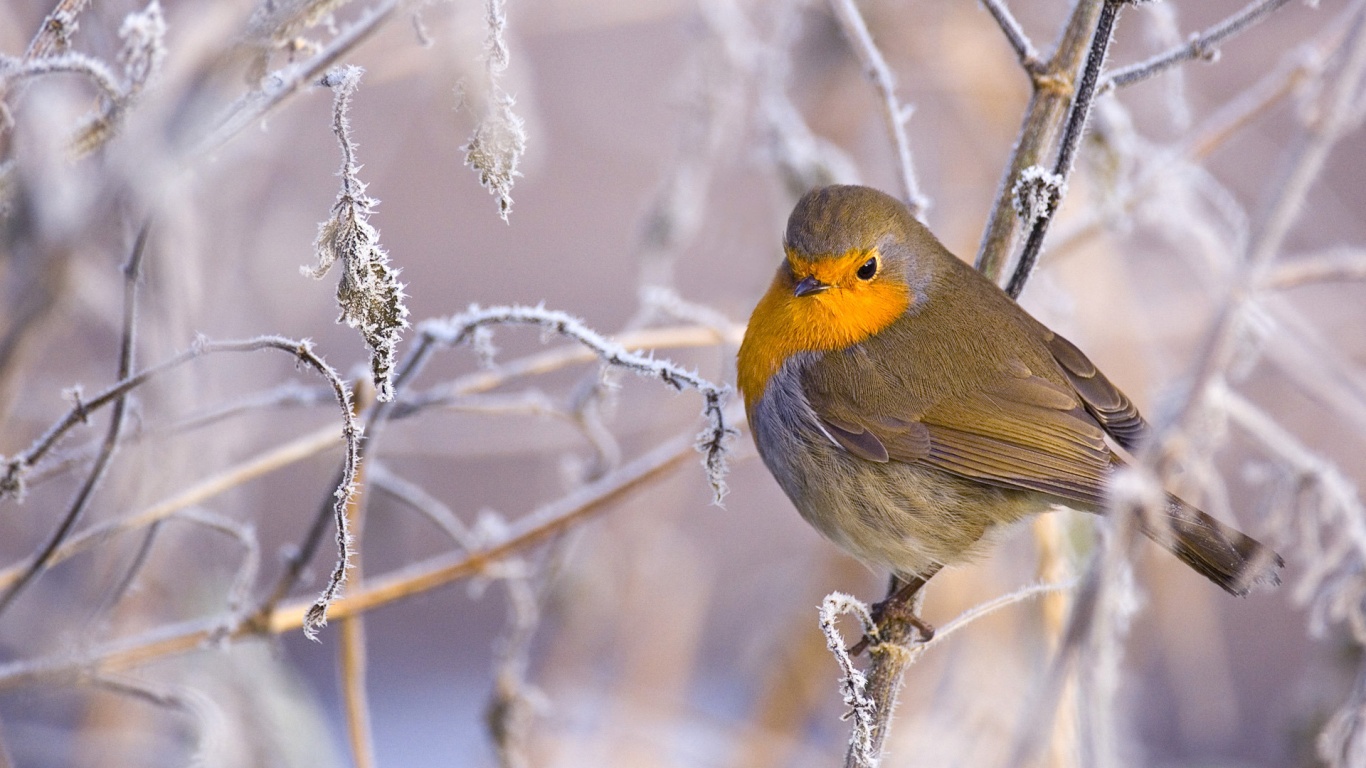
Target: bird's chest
point(902, 516)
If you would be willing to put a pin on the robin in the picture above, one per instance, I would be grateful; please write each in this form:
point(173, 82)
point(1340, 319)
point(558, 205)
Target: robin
point(909, 407)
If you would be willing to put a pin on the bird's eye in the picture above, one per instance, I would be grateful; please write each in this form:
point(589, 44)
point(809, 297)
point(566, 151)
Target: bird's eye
point(868, 269)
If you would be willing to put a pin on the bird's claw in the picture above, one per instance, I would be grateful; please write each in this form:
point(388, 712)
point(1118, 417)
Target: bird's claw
point(892, 610)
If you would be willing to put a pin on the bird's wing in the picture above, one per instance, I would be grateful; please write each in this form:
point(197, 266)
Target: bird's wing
point(1103, 400)
point(1020, 431)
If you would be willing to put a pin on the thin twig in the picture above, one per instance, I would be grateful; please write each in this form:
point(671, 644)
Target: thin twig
point(13, 72)
point(1055, 186)
point(1203, 46)
point(1097, 598)
point(55, 34)
point(1043, 119)
point(302, 350)
point(1015, 35)
point(894, 113)
point(862, 752)
point(1312, 364)
point(514, 701)
point(351, 651)
point(135, 566)
point(417, 497)
point(713, 442)
point(286, 455)
point(132, 273)
point(981, 610)
point(356, 702)
point(416, 578)
point(1338, 266)
point(283, 83)
point(1304, 163)
point(202, 710)
point(560, 358)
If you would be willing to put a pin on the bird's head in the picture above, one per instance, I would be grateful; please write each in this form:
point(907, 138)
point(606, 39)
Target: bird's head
point(850, 269)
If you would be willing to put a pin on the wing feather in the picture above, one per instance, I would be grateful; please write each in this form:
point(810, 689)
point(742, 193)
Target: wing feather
point(1111, 407)
point(1020, 431)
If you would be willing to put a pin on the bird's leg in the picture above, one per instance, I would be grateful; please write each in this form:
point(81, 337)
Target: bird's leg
point(901, 604)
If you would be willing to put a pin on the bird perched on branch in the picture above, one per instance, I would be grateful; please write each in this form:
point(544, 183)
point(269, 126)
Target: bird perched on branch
point(908, 406)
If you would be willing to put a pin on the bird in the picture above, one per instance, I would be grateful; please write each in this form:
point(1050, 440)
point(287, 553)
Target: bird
point(910, 408)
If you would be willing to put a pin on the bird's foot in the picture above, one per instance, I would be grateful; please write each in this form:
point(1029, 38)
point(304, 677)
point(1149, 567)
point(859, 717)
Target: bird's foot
point(893, 610)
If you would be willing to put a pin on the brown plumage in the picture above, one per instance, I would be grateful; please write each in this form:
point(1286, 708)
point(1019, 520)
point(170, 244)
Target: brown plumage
point(908, 406)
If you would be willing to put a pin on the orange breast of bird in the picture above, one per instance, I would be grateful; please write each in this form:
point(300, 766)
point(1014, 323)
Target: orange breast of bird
point(784, 325)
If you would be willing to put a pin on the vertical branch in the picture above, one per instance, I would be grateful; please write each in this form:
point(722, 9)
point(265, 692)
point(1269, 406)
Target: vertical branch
point(512, 705)
point(1045, 115)
point(865, 745)
point(1099, 606)
point(1054, 567)
point(352, 650)
point(132, 271)
point(1043, 193)
point(899, 648)
point(893, 111)
point(368, 293)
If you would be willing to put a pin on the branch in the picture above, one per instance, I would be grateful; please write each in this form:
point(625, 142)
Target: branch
point(893, 111)
point(897, 645)
point(304, 447)
point(1015, 35)
point(1335, 116)
point(557, 359)
point(416, 578)
point(57, 29)
point(864, 743)
point(284, 82)
point(132, 272)
point(1340, 265)
point(369, 293)
point(499, 140)
point(1046, 193)
point(1203, 46)
point(1044, 117)
point(14, 71)
point(1103, 603)
point(303, 350)
point(712, 443)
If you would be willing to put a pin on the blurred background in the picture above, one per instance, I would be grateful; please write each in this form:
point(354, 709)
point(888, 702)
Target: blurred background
point(665, 142)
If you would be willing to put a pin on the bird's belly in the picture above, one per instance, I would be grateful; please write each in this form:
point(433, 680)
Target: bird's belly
point(906, 517)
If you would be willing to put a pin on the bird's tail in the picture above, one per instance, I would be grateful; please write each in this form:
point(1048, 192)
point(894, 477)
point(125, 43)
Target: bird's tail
point(1223, 554)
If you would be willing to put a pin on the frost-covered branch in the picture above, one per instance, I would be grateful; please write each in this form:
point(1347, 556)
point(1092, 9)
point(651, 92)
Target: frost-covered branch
point(369, 293)
point(541, 525)
point(279, 85)
point(496, 147)
point(894, 113)
point(1052, 192)
point(1048, 110)
point(132, 275)
point(863, 752)
point(16, 467)
point(1202, 47)
point(1015, 34)
point(712, 442)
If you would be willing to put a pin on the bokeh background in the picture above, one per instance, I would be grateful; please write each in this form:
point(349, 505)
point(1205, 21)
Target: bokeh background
point(666, 142)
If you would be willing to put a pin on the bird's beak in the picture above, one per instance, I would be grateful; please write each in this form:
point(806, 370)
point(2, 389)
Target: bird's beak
point(809, 285)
